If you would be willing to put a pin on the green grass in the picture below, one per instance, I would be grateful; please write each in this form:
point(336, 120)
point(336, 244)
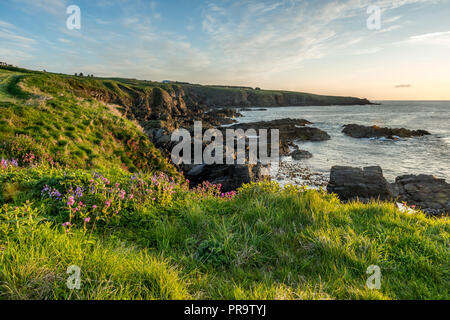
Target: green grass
point(266, 243)
point(169, 242)
point(57, 126)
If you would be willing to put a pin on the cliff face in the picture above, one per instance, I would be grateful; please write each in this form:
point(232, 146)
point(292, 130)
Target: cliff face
point(233, 97)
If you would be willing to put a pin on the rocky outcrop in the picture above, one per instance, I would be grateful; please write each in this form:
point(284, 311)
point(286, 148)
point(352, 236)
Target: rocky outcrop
point(290, 129)
point(427, 192)
point(230, 177)
point(300, 154)
point(358, 131)
point(351, 183)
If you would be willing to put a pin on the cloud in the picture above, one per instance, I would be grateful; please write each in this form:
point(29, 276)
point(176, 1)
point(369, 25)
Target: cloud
point(101, 21)
point(15, 38)
point(400, 86)
point(54, 7)
point(368, 51)
point(7, 25)
point(64, 40)
point(436, 38)
point(262, 38)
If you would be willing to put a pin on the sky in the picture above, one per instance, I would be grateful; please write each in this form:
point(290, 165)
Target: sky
point(323, 47)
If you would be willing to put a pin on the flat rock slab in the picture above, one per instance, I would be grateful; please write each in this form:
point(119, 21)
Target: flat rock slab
point(290, 129)
point(358, 131)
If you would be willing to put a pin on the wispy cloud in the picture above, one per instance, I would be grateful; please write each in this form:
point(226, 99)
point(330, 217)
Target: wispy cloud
point(55, 7)
point(435, 38)
point(368, 51)
point(402, 86)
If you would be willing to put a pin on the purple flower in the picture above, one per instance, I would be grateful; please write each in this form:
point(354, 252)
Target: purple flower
point(66, 224)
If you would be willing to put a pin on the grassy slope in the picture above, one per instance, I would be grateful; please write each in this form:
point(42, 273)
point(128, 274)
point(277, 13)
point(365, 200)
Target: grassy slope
point(56, 125)
point(175, 243)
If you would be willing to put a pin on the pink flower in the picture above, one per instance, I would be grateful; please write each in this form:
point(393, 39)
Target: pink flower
point(94, 207)
point(71, 201)
point(66, 224)
point(87, 220)
point(108, 203)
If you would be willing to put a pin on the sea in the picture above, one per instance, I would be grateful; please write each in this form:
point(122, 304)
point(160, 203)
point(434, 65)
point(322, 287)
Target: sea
point(423, 155)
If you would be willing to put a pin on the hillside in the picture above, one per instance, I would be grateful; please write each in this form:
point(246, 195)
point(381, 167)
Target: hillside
point(247, 97)
point(82, 184)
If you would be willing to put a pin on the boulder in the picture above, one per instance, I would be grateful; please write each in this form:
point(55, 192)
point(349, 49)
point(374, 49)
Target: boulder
point(351, 183)
point(231, 177)
point(427, 192)
point(358, 131)
point(300, 154)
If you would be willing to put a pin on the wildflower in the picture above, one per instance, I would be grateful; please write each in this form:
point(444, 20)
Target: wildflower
point(87, 220)
point(108, 203)
point(66, 224)
point(4, 163)
point(71, 201)
point(131, 196)
point(94, 207)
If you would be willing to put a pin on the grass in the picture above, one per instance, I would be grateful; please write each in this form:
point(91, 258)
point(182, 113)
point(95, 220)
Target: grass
point(57, 126)
point(264, 243)
point(86, 190)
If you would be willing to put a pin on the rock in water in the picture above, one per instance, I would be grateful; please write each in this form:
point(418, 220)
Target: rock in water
point(358, 131)
point(350, 183)
point(290, 129)
point(427, 192)
point(300, 154)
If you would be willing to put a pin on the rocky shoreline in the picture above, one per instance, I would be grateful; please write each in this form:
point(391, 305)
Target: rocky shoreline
point(425, 192)
point(163, 110)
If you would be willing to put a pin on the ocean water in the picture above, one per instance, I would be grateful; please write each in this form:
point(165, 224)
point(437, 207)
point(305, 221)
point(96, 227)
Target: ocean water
point(423, 155)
